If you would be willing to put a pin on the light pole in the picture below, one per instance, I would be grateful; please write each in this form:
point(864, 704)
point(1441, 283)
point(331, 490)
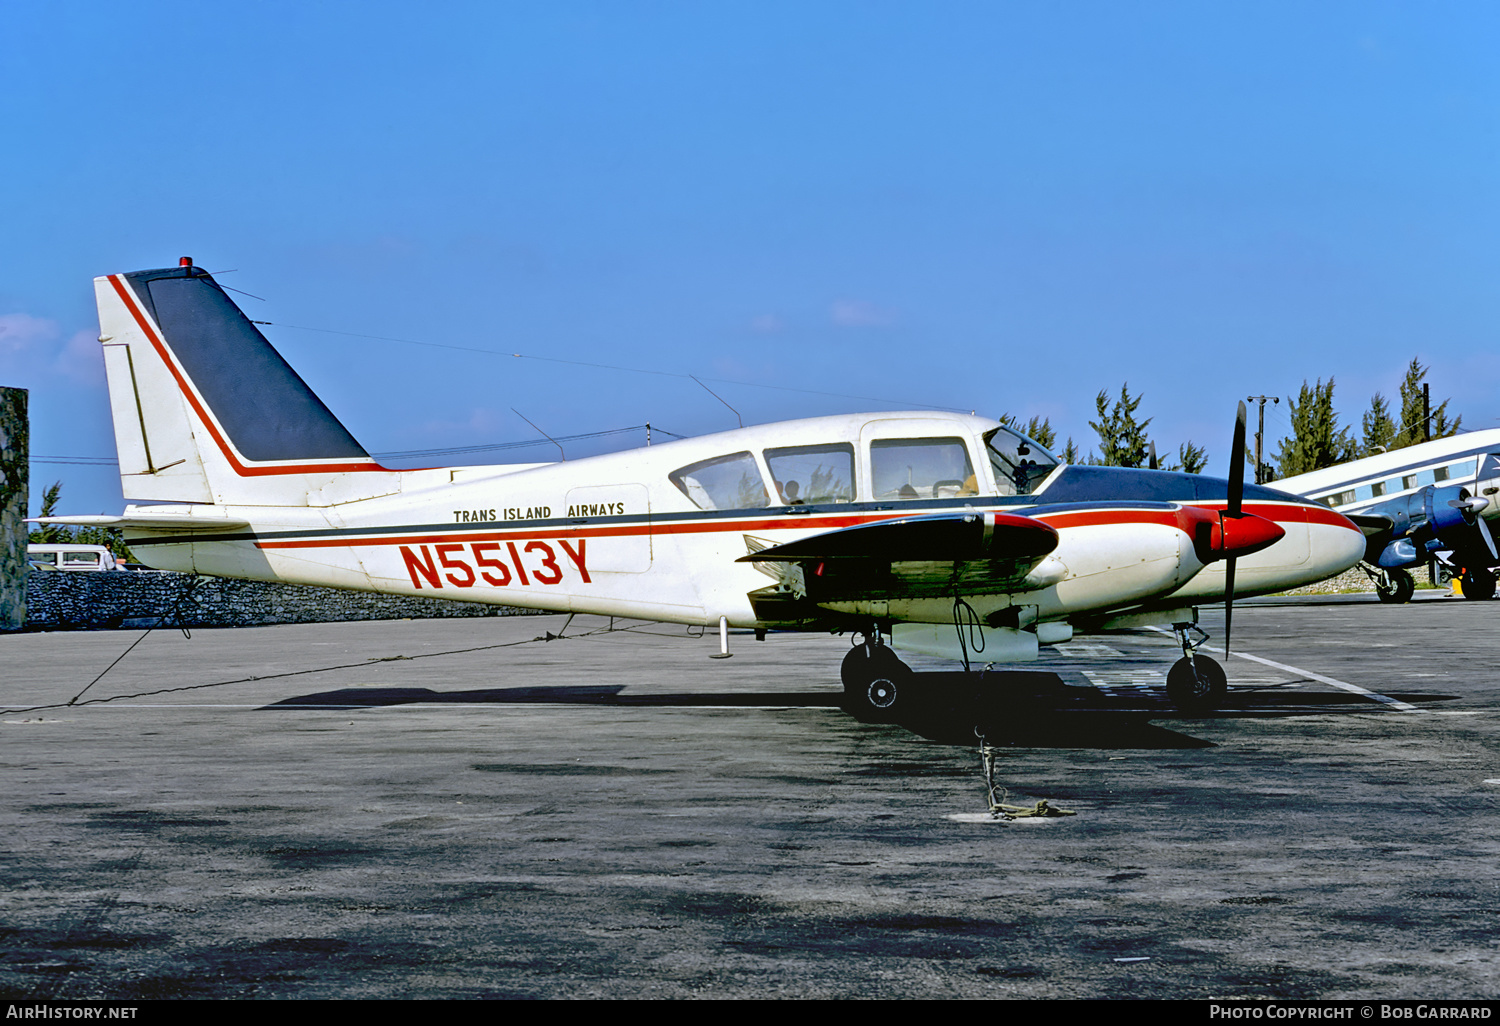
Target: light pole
point(1260, 429)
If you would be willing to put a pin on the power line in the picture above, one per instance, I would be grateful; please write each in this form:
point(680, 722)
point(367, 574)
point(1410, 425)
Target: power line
point(77, 461)
point(110, 461)
point(616, 367)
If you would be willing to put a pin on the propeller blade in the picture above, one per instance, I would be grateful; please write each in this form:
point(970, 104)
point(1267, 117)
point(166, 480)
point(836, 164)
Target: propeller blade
point(1489, 539)
point(1236, 501)
point(1228, 601)
point(1237, 465)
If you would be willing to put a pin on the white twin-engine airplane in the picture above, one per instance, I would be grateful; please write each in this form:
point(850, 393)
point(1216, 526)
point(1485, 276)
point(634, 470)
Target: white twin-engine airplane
point(943, 534)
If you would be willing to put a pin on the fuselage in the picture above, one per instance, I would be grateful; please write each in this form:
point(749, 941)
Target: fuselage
point(656, 532)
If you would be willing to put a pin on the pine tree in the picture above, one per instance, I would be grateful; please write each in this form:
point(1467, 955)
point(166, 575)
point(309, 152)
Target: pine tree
point(1413, 430)
point(1191, 459)
point(1038, 429)
point(1071, 452)
point(1378, 429)
point(1122, 439)
point(1317, 441)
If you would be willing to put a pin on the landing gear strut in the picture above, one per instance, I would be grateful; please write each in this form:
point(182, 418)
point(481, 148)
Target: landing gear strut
point(1195, 682)
point(876, 682)
point(1395, 586)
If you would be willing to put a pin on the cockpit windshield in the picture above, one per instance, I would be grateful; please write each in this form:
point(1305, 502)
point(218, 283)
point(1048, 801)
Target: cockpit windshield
point(1019, 463)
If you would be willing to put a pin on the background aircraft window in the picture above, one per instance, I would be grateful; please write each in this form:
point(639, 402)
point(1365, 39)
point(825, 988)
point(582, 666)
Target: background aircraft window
point(922, 468)
point(1019, 463)
point(810, 474)
point(727, 482)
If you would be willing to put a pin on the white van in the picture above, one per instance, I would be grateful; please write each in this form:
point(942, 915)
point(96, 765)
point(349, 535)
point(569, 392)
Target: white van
point(71, 557)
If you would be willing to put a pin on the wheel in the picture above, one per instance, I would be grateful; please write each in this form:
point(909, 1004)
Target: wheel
point(1479, 585)
point(1395, 586)
point(1197, 683)
point(874, 682)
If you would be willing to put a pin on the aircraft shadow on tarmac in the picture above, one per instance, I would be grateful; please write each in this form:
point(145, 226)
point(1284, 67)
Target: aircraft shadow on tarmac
point(1022, 708)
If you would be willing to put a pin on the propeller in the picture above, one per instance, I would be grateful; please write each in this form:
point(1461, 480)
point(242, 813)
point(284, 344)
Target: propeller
point(1470, 506)
point(1236, 501)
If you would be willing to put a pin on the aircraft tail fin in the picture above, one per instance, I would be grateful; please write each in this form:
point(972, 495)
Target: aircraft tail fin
point(205, 410)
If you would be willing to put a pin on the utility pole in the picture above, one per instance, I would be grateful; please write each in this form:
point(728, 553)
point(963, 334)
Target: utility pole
point(1260, 430)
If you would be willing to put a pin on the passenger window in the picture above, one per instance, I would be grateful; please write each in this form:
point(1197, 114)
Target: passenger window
point(922, 468)
point(812, 474)
point(726, 482)
point(80, 558)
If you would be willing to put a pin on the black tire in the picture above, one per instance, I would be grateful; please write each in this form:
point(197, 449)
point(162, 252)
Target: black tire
point(875, 682)
point(1196, 684)
point(1479, 585)
point(1396, 586)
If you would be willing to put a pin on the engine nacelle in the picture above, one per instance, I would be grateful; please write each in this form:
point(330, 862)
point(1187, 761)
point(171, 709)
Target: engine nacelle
point(1430, 521)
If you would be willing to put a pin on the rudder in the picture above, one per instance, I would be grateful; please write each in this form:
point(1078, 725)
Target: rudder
point(205, 409)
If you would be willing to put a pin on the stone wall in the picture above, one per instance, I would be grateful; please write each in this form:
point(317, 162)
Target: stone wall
point(14, 497)
point(1349, 580)
point(64, 600)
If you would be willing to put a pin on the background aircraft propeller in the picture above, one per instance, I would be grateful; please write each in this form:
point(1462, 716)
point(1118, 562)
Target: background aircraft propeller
point(1470, 506)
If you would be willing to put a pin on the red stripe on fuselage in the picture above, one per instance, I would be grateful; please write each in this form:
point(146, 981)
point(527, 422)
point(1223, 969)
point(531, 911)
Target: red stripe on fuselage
point(240, 468)
point(1061, 519)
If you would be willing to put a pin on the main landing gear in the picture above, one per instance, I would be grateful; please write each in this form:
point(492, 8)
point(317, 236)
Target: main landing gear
point(1395, 586)
point(876, 683)
point(1478, 584)
point(1195, 682)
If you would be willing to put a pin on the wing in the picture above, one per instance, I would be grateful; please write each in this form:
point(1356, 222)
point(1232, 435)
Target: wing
point(1372, 523)
point(948, 554)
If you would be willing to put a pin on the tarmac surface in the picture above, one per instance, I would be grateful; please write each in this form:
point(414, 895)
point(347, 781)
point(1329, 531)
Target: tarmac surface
point(456, 808)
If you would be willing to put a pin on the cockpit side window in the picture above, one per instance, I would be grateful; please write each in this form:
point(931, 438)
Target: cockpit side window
point(1019, 463)
point(813, 474)
point(724, 482)
point(922, 468)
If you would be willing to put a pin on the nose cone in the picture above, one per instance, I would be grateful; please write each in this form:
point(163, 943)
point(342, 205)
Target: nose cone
point(1246, 533)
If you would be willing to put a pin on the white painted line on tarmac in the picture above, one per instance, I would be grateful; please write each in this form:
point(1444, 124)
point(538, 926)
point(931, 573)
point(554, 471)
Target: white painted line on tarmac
point(1394, 703)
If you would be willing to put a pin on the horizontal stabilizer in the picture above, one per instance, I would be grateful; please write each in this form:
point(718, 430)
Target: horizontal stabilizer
point(151, 522)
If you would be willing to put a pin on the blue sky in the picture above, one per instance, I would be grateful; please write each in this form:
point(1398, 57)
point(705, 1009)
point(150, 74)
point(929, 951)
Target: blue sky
point(1003, 207)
